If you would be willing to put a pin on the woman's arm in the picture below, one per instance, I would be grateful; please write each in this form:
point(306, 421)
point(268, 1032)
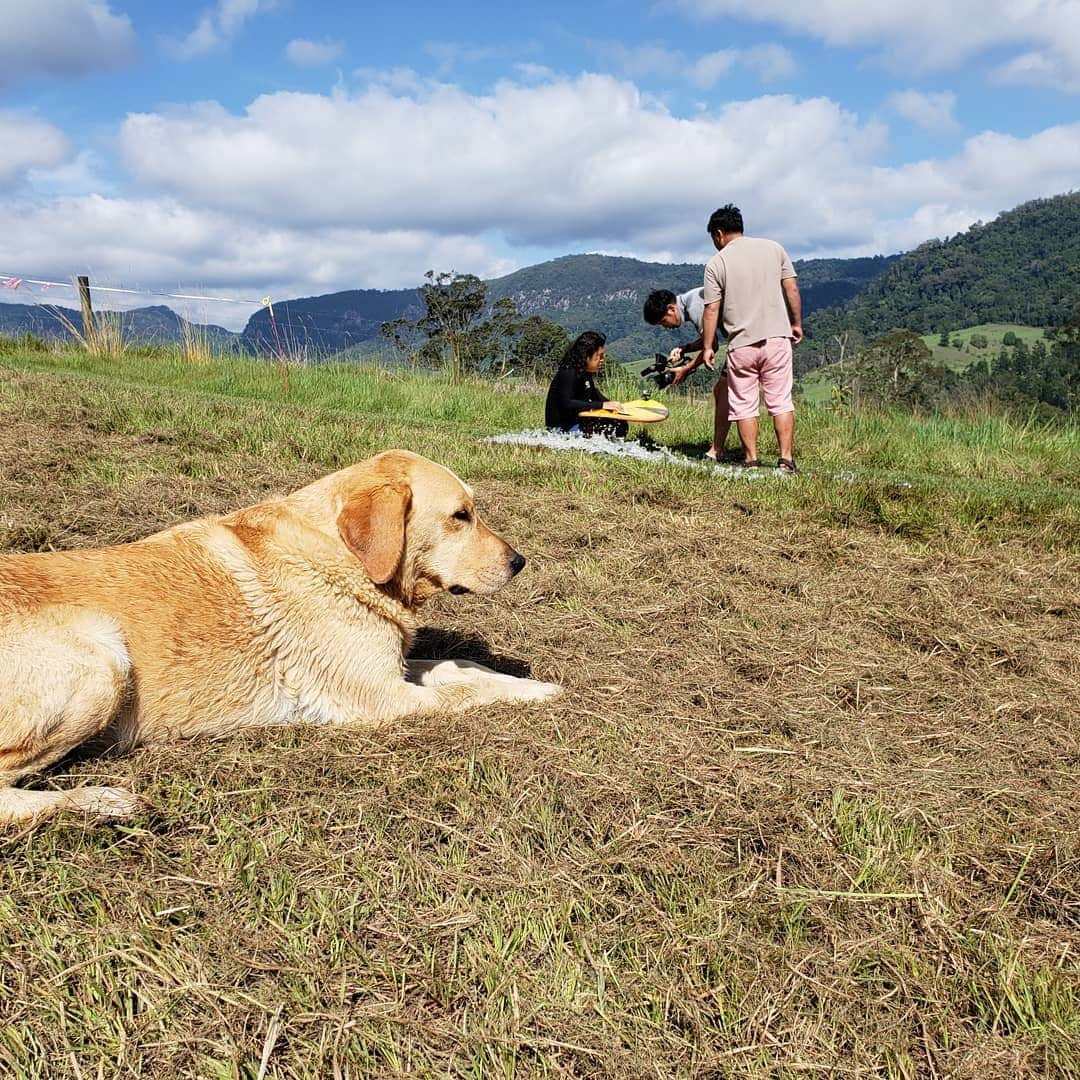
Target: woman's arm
point(567, 385)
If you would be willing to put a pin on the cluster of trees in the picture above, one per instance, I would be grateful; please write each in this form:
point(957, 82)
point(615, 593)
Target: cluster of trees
point(460, 333)
point(1044, 376)
point(899, 369)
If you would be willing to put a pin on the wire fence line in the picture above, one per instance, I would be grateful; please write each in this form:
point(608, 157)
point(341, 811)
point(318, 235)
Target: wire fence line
point(289, 324)
point(15, 282)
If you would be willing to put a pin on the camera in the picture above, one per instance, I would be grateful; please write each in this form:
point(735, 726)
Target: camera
point(661, 374)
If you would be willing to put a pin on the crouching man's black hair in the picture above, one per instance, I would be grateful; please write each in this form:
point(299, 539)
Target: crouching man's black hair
point(656, 304)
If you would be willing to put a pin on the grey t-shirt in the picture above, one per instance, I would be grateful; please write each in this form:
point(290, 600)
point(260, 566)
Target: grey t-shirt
point(745, 277)
point(691, 308)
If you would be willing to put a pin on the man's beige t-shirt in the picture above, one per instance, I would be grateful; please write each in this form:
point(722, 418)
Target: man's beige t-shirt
point(745, 277)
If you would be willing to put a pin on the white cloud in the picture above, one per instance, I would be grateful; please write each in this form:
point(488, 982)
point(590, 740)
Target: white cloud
point(582, 163)
point(530, 72)
point(74, 175)
point(451, 55)
point(708, 70)
point(308, 193)
point(29, 144)
point(64, 38)
point(1040, 69)
point(313, 53)
point(769, 62)
point(583, 160)
point(162, 245)
point(935, 113)
point(217, 27)
point(638, 61)
point(925, 35)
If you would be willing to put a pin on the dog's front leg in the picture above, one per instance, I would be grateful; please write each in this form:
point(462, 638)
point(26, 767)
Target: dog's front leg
point(492, 685)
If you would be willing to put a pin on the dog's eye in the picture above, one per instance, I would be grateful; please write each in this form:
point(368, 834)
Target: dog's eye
point(463, 515)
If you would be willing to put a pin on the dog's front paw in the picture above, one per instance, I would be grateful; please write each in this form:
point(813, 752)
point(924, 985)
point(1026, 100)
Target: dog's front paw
point(105, 801)
point(532, 690)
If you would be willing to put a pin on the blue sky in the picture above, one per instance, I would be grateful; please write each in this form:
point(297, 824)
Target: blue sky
point(254, 147)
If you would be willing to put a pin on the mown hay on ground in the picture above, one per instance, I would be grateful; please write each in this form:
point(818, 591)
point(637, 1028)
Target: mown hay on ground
point(808, 808)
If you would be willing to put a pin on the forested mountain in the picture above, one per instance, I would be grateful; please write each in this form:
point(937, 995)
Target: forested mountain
point(1023, 267)
point(606, 292)
point(579, 292)
point(331, 323)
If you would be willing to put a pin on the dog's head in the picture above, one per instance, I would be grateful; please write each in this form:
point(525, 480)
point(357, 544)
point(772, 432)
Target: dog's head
point(413, 524)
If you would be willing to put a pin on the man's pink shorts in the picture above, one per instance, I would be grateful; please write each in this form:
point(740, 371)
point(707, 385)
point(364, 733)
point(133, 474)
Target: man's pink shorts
point(765, 365)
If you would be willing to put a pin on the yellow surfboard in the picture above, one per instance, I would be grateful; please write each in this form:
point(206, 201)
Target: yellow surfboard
point(641, 411)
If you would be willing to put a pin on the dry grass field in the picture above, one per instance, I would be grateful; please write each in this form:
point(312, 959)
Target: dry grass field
point(809, 807)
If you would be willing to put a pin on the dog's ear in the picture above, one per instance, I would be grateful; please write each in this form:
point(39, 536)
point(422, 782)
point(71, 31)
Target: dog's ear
point(372, 524)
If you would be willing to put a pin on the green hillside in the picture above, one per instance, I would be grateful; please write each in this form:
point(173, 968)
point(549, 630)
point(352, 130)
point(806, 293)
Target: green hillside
point(1022, 368)
point(965, 348)
point(606, 293)
point(982, 342)
point(1023, 267)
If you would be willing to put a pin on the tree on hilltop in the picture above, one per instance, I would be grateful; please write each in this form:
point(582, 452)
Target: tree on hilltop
point(454, 334)
point(454, 302)
point(897, 368)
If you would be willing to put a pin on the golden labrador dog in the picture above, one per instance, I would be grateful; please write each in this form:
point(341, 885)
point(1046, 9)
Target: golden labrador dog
point(299, 609)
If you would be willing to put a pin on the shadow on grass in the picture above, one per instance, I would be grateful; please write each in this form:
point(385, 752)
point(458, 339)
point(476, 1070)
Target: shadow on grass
point(434, 644)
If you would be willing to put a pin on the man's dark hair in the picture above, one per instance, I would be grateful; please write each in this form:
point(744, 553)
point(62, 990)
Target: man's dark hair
point(656, 305)
point(581, 348)
point(728, 219)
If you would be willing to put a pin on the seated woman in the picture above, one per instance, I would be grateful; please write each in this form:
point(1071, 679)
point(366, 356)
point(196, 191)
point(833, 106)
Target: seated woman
point(573, 390)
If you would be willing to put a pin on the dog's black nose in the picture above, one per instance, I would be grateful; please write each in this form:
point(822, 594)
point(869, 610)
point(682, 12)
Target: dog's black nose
point(516, 563)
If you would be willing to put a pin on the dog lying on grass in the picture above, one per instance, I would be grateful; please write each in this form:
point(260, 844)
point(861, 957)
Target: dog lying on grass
point(299, 609)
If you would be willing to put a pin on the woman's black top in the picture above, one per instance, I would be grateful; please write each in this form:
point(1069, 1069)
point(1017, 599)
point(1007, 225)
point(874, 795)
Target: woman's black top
point(571, 392)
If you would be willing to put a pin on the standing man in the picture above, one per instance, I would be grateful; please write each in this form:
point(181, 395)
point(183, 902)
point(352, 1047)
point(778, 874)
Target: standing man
point(664, 308)
point(751, 282)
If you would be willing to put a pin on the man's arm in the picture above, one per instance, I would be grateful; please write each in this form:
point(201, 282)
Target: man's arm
point(790, 286)
point(680, 351)
point(707, 355)
point(708, 334)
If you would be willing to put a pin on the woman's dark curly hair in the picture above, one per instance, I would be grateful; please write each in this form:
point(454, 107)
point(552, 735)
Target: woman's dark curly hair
point(581, 348)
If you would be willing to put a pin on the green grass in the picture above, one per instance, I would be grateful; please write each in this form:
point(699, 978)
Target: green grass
point(986, 474)
point(958, 359)
point(807, 808)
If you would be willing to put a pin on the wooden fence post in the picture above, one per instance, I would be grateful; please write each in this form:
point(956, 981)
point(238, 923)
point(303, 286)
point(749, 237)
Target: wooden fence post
point(89, 326)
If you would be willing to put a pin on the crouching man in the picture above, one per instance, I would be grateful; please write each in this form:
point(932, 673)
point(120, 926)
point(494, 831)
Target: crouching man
point(664, 308)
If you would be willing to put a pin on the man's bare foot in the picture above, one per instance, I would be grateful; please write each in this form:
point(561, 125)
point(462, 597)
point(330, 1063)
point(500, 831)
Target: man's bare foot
point(712, 455)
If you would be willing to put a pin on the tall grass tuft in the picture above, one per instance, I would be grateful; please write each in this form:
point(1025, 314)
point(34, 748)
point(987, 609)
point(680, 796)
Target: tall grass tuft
point(105, 338)
point(196, 346)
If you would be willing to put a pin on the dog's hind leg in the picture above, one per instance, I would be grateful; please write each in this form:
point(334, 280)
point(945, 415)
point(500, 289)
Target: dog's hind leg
point(64, 673)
